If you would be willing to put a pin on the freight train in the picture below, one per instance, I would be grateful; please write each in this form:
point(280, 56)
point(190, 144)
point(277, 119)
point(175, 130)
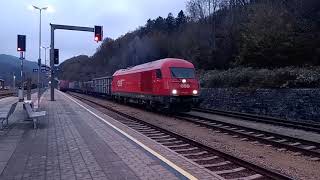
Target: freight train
point(168, 84)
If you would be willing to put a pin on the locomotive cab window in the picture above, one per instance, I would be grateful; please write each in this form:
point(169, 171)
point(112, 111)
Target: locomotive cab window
point(187, 73)
point(158, 74)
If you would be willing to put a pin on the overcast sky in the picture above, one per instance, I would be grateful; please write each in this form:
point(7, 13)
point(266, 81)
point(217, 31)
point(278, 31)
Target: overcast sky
point(116, 16)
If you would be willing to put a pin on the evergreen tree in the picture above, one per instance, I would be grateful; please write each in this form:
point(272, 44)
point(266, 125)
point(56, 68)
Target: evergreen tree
point(160, 24)
point(181, 19)
point(170, 21)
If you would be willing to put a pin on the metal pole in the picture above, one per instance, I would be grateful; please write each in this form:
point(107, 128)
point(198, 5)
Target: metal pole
point(65, 27)
point(14, 84)
point(21, 73)
point(52, 63)
point(45, 81)
point(39, 60)
point(45, 57)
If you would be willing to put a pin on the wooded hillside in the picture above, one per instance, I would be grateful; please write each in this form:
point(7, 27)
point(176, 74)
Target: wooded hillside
point(215, 35)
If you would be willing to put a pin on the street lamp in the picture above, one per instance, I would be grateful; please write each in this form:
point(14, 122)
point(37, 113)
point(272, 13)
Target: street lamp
point(39, 60)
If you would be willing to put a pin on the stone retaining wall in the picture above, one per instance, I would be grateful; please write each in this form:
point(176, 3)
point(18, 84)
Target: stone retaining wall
point(284, 103)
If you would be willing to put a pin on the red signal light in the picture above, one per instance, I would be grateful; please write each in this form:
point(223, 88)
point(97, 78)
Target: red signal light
point(21, 45)
point(98, 33)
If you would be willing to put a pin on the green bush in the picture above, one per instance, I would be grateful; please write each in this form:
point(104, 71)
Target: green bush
point(288, 77)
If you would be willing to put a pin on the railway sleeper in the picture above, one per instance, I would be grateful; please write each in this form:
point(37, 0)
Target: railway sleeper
point(193, 156)
point(295, 144)
point(230, 171)
point(161, 137)
point(250, 177)
point(186, 149)
point(206, 159)
point(169, 140)
point(216, 164)
point(178, 145)
point(151, 134)
point(281, 140)
point(172, 142)
point(194, 153)
point(309, 147)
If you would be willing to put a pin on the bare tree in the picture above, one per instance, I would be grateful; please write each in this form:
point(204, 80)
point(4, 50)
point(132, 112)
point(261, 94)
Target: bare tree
point(205, 10)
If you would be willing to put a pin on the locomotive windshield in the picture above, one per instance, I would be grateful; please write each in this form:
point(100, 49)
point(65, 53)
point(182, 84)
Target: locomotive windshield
point(178, 72)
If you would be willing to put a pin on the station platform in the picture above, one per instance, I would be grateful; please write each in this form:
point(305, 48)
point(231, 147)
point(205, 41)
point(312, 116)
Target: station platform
point(74, 141)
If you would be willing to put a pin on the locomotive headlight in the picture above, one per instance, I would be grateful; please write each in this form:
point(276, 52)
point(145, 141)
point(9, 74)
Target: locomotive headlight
point(184, 81)
point(174, 92)
point(195, 92)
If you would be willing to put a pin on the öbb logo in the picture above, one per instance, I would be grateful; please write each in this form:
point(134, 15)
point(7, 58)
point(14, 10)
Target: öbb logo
point(120, 82)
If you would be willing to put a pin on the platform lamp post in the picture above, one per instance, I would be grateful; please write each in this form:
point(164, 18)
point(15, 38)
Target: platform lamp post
point(39, 60)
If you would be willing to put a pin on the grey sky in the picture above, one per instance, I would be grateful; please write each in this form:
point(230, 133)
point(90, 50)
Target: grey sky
point(116, 16)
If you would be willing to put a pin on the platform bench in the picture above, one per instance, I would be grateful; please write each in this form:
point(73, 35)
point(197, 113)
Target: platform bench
point(6, 112)
point(32, 114)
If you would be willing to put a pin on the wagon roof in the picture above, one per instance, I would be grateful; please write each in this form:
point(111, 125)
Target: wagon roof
point(100, 78)
point(169, 62)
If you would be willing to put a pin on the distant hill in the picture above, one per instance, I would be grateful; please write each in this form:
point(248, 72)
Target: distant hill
point(11, 64)
point(69, 69)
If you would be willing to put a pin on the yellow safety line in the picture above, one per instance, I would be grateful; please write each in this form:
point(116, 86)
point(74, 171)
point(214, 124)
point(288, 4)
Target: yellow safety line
point(168, 162)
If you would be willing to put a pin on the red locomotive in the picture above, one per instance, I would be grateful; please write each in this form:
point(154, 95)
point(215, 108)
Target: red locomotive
point(167, 83)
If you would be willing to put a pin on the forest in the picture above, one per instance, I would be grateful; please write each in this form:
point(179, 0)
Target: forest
point(232, 43)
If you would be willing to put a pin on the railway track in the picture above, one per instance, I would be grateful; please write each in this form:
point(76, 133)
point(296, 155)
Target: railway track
point(283, 142)
point(4, 95)
point(307, 125)
point(223, 164)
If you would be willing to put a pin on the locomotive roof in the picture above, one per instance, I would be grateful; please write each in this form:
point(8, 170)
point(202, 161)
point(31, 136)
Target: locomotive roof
point(168, 62)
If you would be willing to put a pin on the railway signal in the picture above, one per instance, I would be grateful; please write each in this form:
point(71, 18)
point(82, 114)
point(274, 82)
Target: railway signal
point(56, 56)
point(21, 43)
point(98, 33)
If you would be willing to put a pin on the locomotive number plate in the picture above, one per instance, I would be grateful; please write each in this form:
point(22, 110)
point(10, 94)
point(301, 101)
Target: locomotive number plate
point(185, 85)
